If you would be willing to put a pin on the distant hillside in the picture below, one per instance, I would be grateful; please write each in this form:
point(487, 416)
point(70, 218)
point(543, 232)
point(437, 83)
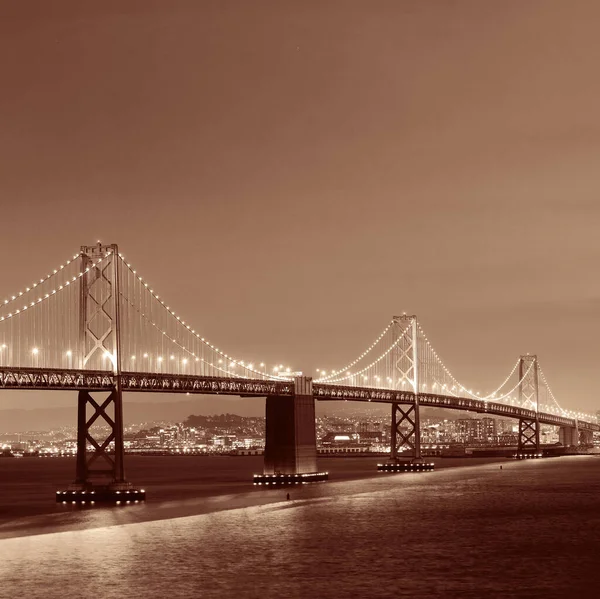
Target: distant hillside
point(20, 420)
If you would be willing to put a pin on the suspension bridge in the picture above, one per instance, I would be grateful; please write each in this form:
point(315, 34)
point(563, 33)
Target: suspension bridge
point(94, 325)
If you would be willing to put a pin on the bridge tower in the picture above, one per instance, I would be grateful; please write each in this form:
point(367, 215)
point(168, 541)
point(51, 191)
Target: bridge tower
point(529, 428)
point(405, 446)
point(100, 472)
point(291, 439)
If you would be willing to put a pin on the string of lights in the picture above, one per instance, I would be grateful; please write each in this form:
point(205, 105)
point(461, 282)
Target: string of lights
point(456, 382)
point(381, 357)
point(192, 332)
point(53, 292)
point(15, 297)
point(360, 357)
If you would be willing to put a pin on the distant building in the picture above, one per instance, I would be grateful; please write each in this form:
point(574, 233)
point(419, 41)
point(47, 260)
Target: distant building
point(476, 430)
point(370, 427)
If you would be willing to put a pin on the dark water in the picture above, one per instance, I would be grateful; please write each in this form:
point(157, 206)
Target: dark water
point(531, 529)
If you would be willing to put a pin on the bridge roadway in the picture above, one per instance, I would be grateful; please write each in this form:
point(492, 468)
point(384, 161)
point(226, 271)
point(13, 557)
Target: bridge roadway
point(70, 379)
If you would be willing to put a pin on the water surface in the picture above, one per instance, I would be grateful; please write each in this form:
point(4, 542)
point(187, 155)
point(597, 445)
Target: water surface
point(528, 530)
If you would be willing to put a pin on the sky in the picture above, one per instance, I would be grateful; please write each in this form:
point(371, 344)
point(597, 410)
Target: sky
point(289, 175)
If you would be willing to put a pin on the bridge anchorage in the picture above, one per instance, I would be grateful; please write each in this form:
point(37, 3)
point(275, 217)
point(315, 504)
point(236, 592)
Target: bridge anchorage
point(405, 446)
point(100, 474)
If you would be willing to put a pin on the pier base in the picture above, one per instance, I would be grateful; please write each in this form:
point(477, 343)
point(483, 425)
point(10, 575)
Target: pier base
point(114, 494)
point(406, 466)
point(290, 479)
point(528, 455)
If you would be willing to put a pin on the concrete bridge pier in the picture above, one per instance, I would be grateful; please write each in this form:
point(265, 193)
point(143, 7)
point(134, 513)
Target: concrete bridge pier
point(291, 440)
point(568, 436)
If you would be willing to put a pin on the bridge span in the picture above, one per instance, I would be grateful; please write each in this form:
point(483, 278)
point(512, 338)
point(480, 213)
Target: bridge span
point(93, 325)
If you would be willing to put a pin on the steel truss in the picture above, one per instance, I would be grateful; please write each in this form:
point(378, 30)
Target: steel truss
point(55, 379)
point(178, 383)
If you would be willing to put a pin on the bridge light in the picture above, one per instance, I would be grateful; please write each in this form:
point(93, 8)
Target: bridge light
point(133, 357)
point(159, 359)
point(35, 351)
point(69, 353)
point(145, 355)
point(184, 361)
point(172, 357)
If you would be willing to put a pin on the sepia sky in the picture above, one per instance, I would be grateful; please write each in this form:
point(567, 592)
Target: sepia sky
point(290, 174)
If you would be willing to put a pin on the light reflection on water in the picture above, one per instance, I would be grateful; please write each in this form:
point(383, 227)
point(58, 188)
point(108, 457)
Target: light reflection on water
point(530, 530)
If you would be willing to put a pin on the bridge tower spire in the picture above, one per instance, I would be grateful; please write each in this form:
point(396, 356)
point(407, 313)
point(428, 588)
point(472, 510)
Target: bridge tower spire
point(405, 446)
point(529, 428)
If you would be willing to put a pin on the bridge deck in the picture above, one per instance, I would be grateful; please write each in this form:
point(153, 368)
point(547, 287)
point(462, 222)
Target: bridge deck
point(65, 379)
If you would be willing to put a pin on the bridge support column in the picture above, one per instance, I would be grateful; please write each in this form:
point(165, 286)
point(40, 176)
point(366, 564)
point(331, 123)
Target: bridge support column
point(529, 440)
point(405, 447)
point(291, 440)
point(568, 436)
point(99, 472)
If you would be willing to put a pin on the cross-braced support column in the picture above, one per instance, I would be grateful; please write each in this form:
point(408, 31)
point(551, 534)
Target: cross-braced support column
point(406, 437)
point(586, 437)
point(529, 436)
point(105, 460)
point(405, 447)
